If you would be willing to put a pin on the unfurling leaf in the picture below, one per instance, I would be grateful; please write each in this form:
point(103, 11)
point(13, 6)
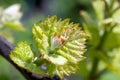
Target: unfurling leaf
point(61, 45)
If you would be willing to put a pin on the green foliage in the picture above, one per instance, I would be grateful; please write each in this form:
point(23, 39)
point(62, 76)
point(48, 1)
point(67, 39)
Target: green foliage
point(10, 19)
point(103, 30)
point(24, 57)
point(60, 44)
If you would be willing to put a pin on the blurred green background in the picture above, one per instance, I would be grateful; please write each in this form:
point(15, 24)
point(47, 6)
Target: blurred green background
point(35, 10)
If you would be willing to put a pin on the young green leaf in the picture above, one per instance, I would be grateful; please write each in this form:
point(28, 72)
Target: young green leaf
point(23, 56)
point(61, 46)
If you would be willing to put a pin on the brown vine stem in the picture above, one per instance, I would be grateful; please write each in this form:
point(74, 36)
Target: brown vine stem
point(5, 48)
